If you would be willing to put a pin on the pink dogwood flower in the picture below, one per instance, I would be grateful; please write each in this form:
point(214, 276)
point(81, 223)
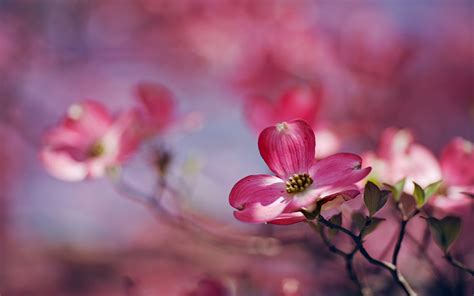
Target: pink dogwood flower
point(299, 182)
point(298, 102)
point(399, 157)
point(457, 164)
point(301, 102)
point(87, 142)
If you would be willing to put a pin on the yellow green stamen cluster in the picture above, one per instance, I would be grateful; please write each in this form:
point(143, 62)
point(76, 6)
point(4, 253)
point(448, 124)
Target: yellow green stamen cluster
point(298, 183)
point(96, 150)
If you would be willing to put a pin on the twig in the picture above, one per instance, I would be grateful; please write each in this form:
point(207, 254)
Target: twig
point(458, 264)
point(398, 244)
point(396, 275)
point(185, 220)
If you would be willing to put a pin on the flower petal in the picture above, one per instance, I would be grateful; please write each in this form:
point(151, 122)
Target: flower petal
point(89, 118)
point(122, 139)
point(301, 102)
point(61, 165)
point(158, 103)
point(457, 162)
point(340, 169)
point(288, 148)
point(258, 213)
point(288, 218)
point(258, 198)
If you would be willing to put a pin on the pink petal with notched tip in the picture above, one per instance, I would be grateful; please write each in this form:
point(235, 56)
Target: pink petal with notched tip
point(340, 169)
point(258, 198)
point(288, 148)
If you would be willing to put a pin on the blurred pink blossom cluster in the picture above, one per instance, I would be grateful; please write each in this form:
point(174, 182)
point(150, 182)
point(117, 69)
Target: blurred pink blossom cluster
point(330, 95)
point(89, 141)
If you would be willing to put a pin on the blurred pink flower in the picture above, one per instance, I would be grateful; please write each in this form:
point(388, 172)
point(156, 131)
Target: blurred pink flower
point(371, 44)
point(301, 102)
point(87, 142)
point(209, 287)
point(289, 151)
point(400, 157)
point(157, 107)
point(457, 163)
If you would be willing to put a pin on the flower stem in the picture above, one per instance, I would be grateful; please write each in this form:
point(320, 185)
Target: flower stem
point(458, 264)
point(396, 275)
point(398, 244)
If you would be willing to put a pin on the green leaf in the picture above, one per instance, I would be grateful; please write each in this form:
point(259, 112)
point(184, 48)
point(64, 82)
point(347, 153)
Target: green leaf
point(397, 189)
point(407, 205)
point(432, 189)
point(419, 195)
point(358, 220)
point(374, 222)
point(308, 214)
point(444, 231)
point(336, 219)
point(374, 198)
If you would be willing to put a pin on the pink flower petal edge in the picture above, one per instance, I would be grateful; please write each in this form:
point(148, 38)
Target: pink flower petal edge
point(340, 169)
point(258, 198)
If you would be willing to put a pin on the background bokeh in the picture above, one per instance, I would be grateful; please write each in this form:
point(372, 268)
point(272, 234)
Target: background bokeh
point(406, 64)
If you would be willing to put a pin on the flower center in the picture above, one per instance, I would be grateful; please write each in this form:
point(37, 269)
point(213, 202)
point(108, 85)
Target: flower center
point(96, 150)
point(298, 183)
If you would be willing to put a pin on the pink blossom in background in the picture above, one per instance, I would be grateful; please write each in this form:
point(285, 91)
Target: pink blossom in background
point(457, 164)
point(87, 142)
point(157, 107)
point(300, 181)
point(398, 157)
point(349, 69)
point(383, 43)
point(210, 287)
point(300, 102)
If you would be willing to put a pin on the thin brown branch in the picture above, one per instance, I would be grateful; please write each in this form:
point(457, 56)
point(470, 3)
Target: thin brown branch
point(395, 273)
point(458, 264)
